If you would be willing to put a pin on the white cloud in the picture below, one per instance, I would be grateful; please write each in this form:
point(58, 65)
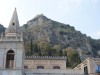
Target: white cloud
point(98, 34)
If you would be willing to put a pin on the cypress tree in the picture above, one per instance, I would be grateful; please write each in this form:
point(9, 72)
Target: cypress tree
point(49, 52)
point(39, 51)
point(31, 47)
point(36, 48)
point(60, 53)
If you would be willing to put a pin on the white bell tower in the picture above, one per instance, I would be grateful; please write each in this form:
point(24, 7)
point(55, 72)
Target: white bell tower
point(11, 49)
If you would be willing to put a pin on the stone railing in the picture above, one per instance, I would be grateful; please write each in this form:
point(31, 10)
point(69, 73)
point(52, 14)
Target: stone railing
point(11, 38)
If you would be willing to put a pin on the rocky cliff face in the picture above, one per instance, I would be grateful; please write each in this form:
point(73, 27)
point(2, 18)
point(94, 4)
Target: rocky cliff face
point(41, 28)
point(2, 29)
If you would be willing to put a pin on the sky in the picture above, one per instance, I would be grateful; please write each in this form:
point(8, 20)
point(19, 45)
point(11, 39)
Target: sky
point(84, 15)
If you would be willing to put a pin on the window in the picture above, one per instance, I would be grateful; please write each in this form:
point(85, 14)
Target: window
point(85, 70)
point(10, 59)
point(98, 69)
point(25, 67)
point(18, 37)
point(13, 23)
point(56, 67)
point(40, 67)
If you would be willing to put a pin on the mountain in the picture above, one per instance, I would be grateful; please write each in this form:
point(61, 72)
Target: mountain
point(43, 36)
point(43, 29)
point(2, 29)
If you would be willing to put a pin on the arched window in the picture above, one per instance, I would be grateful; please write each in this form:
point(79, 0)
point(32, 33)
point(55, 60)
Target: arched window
point(10, 59)
point(56, 67)
point(40, 67)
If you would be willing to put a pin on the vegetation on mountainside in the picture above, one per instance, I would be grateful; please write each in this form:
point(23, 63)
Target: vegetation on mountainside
point(95, 44)
point(42, 49)
point(46, 49)
point(73, 58)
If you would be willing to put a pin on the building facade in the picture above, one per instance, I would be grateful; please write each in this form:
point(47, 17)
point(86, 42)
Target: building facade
point(90, 66)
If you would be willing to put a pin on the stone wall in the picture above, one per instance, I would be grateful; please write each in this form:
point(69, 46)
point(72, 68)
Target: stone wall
point(53, 72)
point(11, 72)
point(45, 61)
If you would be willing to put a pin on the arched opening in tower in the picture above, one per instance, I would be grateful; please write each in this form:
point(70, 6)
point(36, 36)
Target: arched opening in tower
point(10, 59)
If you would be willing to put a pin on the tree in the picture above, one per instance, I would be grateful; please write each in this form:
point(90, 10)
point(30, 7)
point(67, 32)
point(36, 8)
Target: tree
point(65, 54)
point(35, 48)
point(31, 48)
point(49, 52)
point(73, 57)
point(57, 47)
point(54, 52)
point(39, 51)
point(60, 53)
point(45, 48)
